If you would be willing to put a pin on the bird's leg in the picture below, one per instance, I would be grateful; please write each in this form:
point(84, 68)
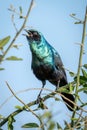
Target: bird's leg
point(39, 95)
point(58, 85)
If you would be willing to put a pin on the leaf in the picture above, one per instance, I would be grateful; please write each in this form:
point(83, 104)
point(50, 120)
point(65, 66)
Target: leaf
point(1, 117)
point(71, 87)
point(2, 69)
point(83, 89)
point(85, 86)
point(73, 14)
point(85, 92)
point(30, 125)
point(15, 46)
point(20, 8)
point(84, 73)
point(4, 41)
point(47, 114)
point(83, 80)
point(42, 105)
point(72, 74)
point(66, 125)
point(85, 66)
point(59, 127)
point(18, 107)
point(51, 125)
point(57, 99)
point(13, 58)
point(10, 123)
point(80, 22)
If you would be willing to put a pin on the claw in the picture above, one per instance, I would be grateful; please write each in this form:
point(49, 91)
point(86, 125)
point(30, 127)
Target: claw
point(39, 99)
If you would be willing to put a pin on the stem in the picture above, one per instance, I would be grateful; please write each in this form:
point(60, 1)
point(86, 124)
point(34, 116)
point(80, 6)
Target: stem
point(17, 34)
point(79, 65)
point(27, 107)
point(51, 94)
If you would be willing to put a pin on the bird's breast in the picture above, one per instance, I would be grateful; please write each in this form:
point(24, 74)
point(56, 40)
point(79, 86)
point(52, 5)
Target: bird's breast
point(42, 68)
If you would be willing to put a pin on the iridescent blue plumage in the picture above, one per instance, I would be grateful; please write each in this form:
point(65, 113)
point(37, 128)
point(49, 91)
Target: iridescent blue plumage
point(46, 62)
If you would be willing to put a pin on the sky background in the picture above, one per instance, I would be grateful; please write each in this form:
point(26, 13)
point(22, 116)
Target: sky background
point(52, 18)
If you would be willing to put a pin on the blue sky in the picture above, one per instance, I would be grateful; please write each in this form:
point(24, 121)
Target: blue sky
point(52, 18)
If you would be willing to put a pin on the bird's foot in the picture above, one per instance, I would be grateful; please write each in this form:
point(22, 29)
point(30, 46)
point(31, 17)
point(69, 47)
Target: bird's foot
point(41, 103)
point(39, 99)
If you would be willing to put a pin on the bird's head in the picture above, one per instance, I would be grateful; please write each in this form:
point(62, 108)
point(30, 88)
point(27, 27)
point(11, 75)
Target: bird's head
point(36, 42)
point(33, 36)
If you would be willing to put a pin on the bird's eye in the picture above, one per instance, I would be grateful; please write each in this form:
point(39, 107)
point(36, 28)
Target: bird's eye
point(35, 33)
point(36, 36)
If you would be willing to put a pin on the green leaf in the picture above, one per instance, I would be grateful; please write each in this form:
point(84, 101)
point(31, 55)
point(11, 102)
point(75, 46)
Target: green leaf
point(4, 41)
point(73, 14)
point(42, 105)
point(85, 85)
point(15, 46)
point(47, 115)
point(71, 87)
point(1, 117)
point(59, 127)
point(72, 74)
point(51, 125)
point(83, 80)
point(66, 125)
point(1, 58)
point(57, 99)
point(2, 69)
point(84, 73)
point(20, 8)
point(83, 89)
point(13, 58)
point(85, 92)
point(18, 107)
point(85, 66)
point(10, 123)
point(30, 125)
point(80, 22)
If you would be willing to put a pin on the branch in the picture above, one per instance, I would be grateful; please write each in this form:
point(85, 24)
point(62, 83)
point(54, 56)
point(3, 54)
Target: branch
point(34, 103)
point(17, 34)
point(27, 107)
point(80, 64)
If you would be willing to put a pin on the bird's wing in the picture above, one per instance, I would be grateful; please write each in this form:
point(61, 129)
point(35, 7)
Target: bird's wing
point(58, 61)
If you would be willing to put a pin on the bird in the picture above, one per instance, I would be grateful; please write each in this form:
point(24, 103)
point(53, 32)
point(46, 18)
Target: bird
point(47, 64)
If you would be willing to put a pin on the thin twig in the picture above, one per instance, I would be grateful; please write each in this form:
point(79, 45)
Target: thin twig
point(17, 34)
point(85, 123)
point(27, 107)
point(12, 19)
point(79, 20)
point(49, 90)
point(61, 89)
point(79, 118)
point(31, 104)
point(35, 102)
point(79, 65)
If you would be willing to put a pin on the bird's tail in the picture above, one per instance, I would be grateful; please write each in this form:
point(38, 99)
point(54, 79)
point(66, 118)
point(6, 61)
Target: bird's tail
point(69, 100)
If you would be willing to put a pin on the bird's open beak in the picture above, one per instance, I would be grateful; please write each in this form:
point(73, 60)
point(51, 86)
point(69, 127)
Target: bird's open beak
point(29, 34)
